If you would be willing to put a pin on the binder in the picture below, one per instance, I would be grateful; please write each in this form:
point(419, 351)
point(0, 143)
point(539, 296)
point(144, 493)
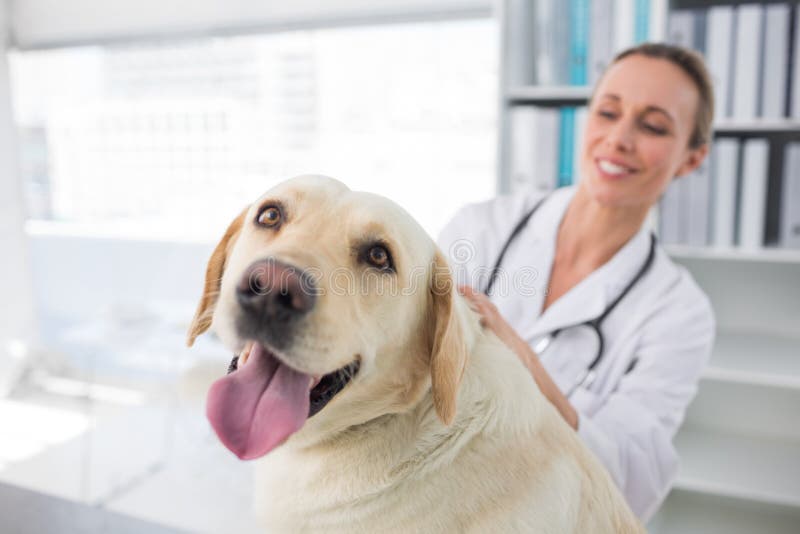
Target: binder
point(601, 38)
point(719, 56)
point(552, 29)
point(724, 182)
point(698, 202)
point(658, 22)
point(578, 41)
point(641, 22)
point(521, 44)
point(790, 197)
point(534, 149)
point(753, 200)
point(776, 61)
point(681, 28)
point(566, 150)
point(747, 72)
point(795, 107)
point(624, 24)
point(581, 115)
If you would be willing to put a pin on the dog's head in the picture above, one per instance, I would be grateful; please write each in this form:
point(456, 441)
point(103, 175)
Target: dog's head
point(340, 303)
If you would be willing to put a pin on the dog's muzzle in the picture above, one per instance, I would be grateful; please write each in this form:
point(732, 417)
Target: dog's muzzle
point(273, 297)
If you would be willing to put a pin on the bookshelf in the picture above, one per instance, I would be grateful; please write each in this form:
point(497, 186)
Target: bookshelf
point(740, 443)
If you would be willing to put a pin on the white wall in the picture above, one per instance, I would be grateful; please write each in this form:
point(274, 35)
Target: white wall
point(43, 23)
point(16, 306)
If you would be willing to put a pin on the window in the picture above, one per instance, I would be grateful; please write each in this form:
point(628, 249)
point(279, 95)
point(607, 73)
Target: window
point(169, 140)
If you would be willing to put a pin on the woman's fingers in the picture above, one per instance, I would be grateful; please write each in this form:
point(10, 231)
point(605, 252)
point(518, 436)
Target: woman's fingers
point(480, 304)
point(467, 291)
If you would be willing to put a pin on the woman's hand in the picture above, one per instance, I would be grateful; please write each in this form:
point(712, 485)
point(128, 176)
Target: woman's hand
point(490, 318)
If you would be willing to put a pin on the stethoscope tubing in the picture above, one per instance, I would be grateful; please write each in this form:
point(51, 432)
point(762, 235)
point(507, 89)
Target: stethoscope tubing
point(596, 323)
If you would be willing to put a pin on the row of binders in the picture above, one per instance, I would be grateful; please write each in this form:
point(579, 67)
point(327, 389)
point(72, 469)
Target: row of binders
point(570, 42)
point(545, 147)
point(746, 195)
point(752, 52)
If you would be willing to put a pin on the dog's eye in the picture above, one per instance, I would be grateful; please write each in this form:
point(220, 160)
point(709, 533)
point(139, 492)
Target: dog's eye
point(270, 217)
point(378, 256)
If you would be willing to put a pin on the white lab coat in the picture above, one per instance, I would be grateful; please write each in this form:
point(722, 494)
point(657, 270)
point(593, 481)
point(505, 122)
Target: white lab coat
point(665, 323)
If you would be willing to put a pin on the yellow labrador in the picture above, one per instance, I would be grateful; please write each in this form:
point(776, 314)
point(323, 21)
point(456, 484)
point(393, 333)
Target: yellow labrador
point(369, 389)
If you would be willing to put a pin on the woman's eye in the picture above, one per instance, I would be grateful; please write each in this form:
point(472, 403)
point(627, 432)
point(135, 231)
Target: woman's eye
point(269, 217)
point(606, 114)
point(652, 128)
point(378, 256)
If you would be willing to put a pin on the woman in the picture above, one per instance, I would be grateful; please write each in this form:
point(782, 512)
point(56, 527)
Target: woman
point(585, 247)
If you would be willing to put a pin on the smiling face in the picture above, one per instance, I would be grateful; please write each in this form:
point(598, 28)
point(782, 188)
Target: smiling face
point(640, 120)
point(334, 292)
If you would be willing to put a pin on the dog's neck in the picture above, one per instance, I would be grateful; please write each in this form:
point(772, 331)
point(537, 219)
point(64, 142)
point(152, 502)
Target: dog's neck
point(363, 464)
point(414, 442)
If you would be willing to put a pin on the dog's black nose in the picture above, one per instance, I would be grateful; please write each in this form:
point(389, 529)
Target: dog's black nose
point(272, 292)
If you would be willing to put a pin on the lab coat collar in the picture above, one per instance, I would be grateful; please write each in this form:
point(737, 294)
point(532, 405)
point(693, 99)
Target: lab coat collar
point(590, 297)
point(545, 222)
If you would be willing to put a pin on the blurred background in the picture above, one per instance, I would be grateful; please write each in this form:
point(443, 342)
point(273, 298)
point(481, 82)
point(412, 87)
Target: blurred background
point(131, 133)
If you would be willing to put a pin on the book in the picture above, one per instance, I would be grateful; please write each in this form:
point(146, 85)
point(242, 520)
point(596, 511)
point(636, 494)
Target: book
point(681, 28)
point(719, 56)
point(548, 127)
point(522, 157)
point(753, 198)
point(601, 35)
point(521, 43)
point(566, 151)
point(795, 107)
point(624, 24)
point(698, 185)
point(746, 72)
point(552, 29)
point(724, 185)
point(658, 20)
point(669, 214)
point(699, 17)
point(581, 115)
point(578, 41)
point(776, 61)
point(790, 197)
point(534, 149)
point(641, 21)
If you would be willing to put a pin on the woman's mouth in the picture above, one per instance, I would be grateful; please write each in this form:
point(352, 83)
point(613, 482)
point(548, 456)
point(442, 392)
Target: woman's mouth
point(613, 170)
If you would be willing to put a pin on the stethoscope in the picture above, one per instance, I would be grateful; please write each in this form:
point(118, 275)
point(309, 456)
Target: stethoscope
point(586, 378)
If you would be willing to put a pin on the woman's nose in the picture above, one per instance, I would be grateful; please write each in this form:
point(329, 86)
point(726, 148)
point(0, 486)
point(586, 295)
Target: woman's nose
point(621, 135)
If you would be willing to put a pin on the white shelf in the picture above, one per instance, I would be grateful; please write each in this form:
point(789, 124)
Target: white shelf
point(765, 254)
point(743, 467)
point(765, 126)
point(549, 95)
point(739, 447)
point(757, 359)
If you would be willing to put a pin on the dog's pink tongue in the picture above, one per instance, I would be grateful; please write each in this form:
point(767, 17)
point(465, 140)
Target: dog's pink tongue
point(254, 409)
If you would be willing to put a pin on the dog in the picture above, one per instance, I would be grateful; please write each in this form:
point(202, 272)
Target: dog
point(367, 387)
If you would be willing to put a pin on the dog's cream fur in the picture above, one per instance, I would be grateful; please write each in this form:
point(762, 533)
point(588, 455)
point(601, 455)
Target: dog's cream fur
point(443, 429)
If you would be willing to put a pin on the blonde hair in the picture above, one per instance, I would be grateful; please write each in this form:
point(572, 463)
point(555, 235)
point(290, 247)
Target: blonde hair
point(694, 66)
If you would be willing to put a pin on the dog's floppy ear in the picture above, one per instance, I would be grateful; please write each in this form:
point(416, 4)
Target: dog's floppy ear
point(214, 270)
point(449, 349)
